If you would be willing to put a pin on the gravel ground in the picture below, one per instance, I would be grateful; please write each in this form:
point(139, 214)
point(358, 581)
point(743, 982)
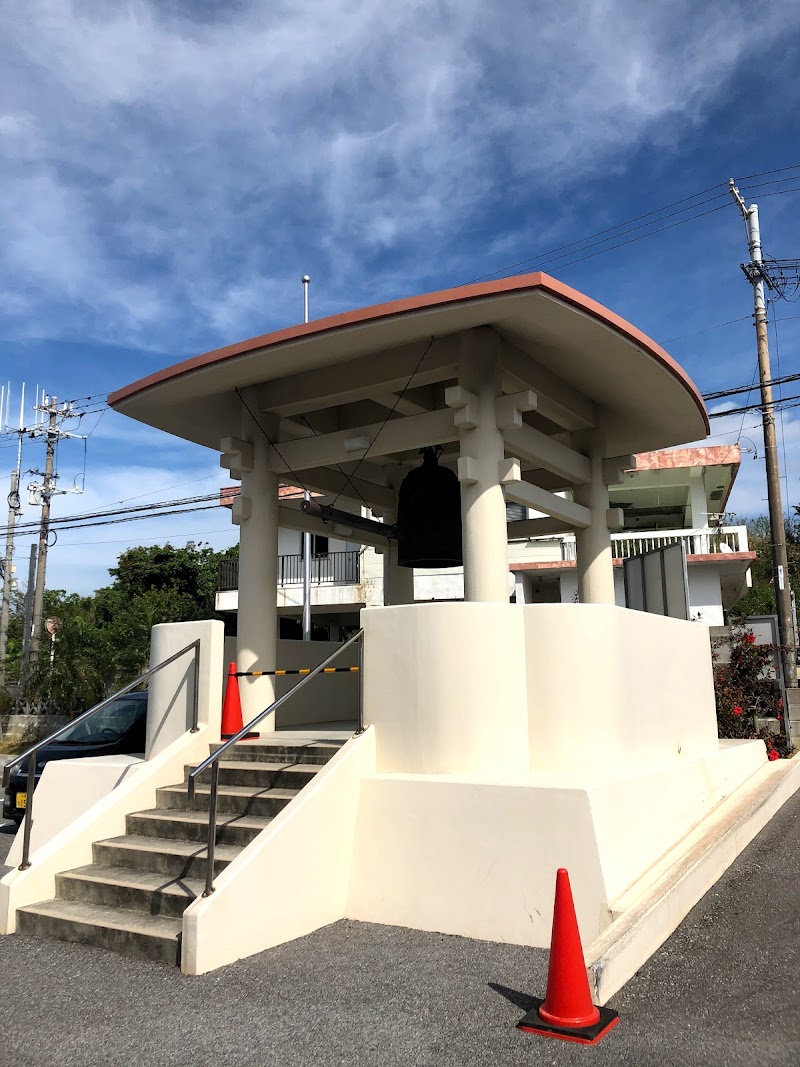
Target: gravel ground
point(722, 992)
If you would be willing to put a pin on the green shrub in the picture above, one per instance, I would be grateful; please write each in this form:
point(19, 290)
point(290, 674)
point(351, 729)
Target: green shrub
point(744, 691)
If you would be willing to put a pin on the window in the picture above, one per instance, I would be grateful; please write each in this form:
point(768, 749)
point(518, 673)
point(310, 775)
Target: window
point(319, 546)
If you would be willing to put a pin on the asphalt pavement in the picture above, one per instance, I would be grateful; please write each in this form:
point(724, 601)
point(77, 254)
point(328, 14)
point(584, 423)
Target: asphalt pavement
point(722, 992)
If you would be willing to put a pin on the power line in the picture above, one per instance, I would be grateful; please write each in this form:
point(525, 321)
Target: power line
point(156, 506)
point(548, 259)
point(748, 388)
point(773, 405)
point(618, 230)
point(160, 537)
point(129, 518)
point(707, 329)
point(775, 170)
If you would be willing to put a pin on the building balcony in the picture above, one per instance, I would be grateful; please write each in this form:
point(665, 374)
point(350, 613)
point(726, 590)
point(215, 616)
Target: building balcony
point(721, 540)
point(331, 568)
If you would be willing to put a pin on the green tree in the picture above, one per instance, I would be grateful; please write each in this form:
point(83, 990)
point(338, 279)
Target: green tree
point(104, 640)
point(760, 599)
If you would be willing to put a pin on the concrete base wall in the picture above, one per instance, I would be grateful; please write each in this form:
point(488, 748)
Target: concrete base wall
point(292, 879)
point(330, 698)
point(479, 859)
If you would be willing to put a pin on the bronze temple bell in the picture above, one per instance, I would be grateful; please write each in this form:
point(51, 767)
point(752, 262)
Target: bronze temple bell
point(429, 516)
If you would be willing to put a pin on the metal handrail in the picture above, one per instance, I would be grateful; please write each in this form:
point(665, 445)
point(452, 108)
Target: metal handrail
point(30, 753)
point(214, 758)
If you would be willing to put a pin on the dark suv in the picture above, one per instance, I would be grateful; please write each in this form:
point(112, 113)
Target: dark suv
point(119, 728)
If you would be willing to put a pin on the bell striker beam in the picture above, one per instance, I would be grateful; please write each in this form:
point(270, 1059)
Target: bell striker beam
point(483, 508)
point(256, 644)
point(595, 568)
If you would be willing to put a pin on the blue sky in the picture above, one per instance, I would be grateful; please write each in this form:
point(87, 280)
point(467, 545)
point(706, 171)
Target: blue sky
point(171, 169)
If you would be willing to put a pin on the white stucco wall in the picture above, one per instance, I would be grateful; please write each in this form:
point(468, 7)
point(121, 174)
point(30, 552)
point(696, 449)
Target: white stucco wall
point(705, 596)
point(439, 689)
point(171, 701)
point(66, 790)
point(327, 698)
point(613, 687)
point(293, 878)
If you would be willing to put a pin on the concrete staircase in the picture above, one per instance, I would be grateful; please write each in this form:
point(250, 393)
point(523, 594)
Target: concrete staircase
point(132, 897)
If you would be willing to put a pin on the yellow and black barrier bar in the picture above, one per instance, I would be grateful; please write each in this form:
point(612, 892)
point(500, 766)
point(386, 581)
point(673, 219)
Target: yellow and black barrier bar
point(301, 670)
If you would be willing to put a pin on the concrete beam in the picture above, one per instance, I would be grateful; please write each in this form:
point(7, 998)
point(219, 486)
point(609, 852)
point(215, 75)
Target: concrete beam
point(537, 447)
point(397, 435)
point(292, 519)
point(331, 481)
point(360, 379)
point(539, 499)
point(556, 400)
point(523, 529)
point(415, 401)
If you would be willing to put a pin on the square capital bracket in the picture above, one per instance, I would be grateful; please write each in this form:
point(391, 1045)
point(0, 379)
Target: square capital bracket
point(237, 455)
point(467, 470)
point(509, 470)
point(508, 409)
point(614, 469)
point(242, 508)
point(464, 405)
point(615, 518)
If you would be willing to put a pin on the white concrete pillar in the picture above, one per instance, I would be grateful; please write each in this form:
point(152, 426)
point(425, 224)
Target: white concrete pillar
point(593, 544)
point(483, 505)
point(258, 574)
point(698, 505)
point(398, 582)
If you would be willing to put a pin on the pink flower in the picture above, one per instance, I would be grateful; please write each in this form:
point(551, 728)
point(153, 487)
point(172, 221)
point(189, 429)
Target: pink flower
point(780, 702)
point(750, 639)
point(772, 755)
point(737, 710)
point(779, 717)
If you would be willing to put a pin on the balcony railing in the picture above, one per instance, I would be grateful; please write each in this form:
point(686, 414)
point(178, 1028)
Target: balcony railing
point(332, 568)
point(721, 540)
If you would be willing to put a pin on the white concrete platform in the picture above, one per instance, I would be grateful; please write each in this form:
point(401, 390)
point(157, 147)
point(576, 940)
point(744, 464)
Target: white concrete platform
point(651, 909)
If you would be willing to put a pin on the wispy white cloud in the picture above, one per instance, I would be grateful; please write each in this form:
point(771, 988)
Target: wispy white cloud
point(172, 167)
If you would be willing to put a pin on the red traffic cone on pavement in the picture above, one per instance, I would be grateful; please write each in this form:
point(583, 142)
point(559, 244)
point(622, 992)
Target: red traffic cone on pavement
point(567, 1011)
point(232, 707)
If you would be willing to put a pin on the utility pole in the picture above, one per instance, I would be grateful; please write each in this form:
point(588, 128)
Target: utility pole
point(8, 568)
point(306, 534)
point(13, 511)
point(757, 275)
point(28, 614)
point(51, 410)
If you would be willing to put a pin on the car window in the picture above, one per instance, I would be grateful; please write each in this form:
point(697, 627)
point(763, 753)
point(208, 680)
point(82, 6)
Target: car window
point(110, 724)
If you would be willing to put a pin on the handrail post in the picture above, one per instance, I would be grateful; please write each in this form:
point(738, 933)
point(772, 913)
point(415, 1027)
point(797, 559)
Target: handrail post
point(32, 752)
point(26, 839)
point(360, 729)
point(196, 683)
point(213, 761)
point(212, 829)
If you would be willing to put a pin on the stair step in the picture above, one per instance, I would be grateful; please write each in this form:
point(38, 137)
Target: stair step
point(232, 829)
point(231, 799)
point(131, 933)
point(122, 887)
point(263, 774)
point(312, 752)
point(186, 859)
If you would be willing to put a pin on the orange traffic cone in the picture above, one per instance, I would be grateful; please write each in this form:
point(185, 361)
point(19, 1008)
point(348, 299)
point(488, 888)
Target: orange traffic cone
point(232, 707)
point(568, 1011)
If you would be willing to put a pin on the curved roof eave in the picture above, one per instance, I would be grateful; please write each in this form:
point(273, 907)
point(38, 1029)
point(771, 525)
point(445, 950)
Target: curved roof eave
point(416, 305)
